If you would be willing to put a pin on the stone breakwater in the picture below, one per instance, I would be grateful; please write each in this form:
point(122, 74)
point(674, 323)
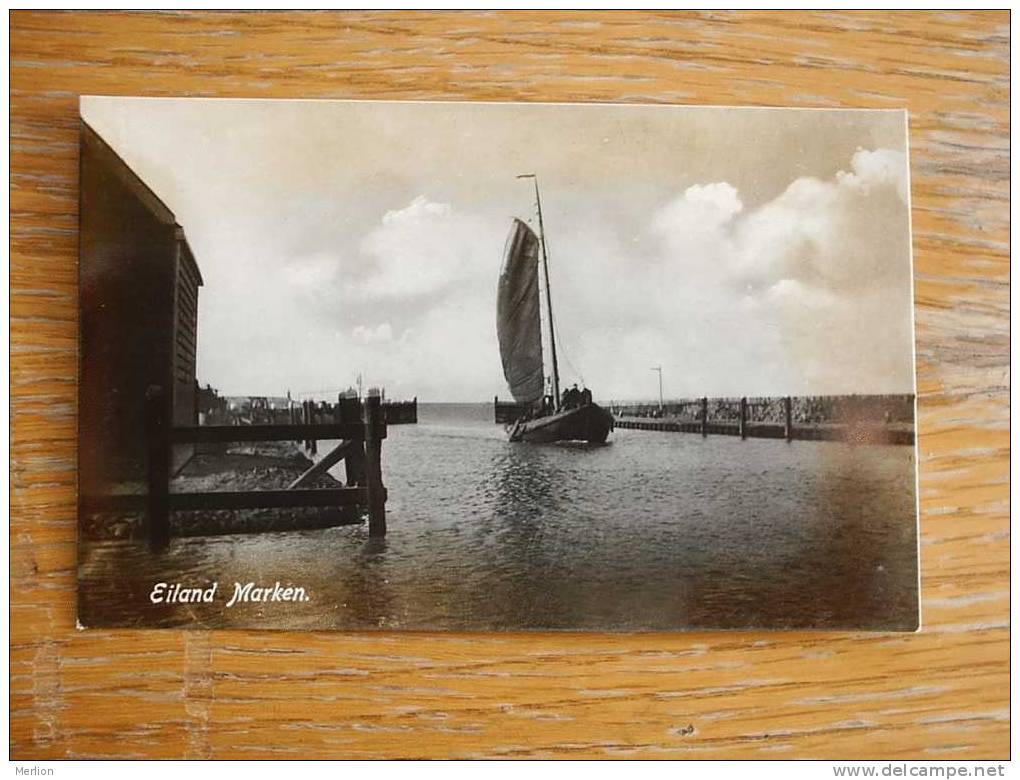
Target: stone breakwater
point(866, 419)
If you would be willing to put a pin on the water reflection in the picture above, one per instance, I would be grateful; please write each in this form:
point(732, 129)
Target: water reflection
point(525, 480)
point(656, 531)
point(367, 596)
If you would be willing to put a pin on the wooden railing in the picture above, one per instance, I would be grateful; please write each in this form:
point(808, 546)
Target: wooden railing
point(361, 431)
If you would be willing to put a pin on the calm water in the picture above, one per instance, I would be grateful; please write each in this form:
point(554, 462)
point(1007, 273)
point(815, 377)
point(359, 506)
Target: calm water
point(653, 531)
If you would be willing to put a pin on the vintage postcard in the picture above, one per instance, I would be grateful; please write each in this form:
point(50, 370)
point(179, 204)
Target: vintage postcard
point(462, 366)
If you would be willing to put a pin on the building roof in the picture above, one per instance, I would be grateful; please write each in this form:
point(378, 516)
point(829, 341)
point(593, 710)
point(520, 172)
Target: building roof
point(131, 180)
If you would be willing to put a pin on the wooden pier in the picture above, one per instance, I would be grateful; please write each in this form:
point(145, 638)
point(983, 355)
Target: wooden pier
point(393, 412)
point(360, 429)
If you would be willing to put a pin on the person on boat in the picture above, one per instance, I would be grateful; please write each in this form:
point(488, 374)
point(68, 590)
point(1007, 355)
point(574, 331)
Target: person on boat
point(571, 397)
point(585, 397)
point(547, 405)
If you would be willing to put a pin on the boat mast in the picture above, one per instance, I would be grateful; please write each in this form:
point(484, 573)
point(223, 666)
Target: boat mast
point(548, 294)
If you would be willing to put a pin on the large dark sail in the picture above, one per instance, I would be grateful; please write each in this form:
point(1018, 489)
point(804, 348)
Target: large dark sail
point(518, 318)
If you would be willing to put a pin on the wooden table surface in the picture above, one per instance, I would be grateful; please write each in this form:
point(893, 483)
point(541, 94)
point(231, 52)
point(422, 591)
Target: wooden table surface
point(940, 693)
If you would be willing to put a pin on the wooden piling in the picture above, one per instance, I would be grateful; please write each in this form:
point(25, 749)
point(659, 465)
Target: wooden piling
point(743, 418)
point(315, 410)
point(349, 410)
point(158, 500)
point(374, 432)
point(704, 416)
point(304, 421)
point(788, 418)
point(308, 418)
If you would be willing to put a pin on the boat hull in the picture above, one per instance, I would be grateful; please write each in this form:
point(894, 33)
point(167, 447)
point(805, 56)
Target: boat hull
point(590, 423)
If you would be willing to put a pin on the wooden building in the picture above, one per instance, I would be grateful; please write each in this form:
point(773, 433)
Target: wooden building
point(139, 318)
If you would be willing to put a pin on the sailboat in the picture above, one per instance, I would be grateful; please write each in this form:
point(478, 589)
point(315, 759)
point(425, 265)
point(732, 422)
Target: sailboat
point(543, 418)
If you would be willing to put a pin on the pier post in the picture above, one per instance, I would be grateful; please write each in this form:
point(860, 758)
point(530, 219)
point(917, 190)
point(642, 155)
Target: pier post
point(788, 418)
point(158, 501)
point(743, 418)
point(304, 421)
point(313, 446)
point(349, 410)
point(704, 416)
point(373, 467)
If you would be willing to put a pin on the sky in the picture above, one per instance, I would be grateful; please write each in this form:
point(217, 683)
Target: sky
point(746, 251)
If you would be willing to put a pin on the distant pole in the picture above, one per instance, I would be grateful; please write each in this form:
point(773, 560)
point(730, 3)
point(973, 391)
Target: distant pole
point(659, 369)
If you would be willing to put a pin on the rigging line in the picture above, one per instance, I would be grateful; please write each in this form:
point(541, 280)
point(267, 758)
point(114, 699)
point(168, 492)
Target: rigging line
point(566, 356)
point(559, 340)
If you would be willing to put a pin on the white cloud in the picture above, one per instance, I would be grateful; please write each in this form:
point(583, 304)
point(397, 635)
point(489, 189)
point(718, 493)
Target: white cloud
point(805, 293)
point(312, 273)
point(808, 292)
point(683, 242)
point(363, 334)
point(844, 235)
point(418, 250)
point(876, 167)
point(701, 209)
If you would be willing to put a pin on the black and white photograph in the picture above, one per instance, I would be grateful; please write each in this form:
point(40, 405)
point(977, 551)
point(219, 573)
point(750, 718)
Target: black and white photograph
point(351, 365)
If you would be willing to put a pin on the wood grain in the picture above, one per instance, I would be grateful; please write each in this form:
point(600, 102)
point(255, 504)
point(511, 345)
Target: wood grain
point(939, 693)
